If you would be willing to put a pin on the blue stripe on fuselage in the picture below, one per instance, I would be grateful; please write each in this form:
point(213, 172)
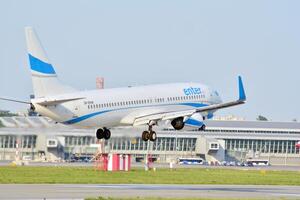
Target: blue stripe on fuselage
point(195, 105)
point(84, 117)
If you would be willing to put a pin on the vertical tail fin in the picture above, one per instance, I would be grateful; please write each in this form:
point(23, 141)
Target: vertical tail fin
point(44, 77)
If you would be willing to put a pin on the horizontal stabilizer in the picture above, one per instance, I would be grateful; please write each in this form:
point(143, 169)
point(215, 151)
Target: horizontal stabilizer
point(54, 101)
point(14, 100)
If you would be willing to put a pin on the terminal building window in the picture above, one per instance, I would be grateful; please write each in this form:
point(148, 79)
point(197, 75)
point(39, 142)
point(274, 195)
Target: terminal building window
point(161, 144)
point(262, 146)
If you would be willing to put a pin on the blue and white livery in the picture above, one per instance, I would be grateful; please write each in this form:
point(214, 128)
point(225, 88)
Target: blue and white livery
point(182, 105)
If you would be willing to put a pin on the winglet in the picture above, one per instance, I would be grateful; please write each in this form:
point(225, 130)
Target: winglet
point(242, 95)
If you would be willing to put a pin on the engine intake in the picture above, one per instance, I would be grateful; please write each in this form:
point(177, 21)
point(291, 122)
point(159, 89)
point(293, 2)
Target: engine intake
point(178, 123)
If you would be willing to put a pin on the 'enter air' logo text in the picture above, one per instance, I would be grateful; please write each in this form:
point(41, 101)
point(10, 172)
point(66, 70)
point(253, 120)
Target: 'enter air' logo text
point(192, 91)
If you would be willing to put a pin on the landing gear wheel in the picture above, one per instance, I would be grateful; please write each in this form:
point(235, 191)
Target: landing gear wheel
point(106, 134)
point(153, 136)
point(149, 135)
point(145, 136)
point(203, 127)
point(100, 134)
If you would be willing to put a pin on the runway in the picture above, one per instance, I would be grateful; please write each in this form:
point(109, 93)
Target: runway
point(81, 191)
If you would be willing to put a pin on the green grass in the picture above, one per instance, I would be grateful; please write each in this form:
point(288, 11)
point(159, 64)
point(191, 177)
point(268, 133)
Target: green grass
point(27, 174)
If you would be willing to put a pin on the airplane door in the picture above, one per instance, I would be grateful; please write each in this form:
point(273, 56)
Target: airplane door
point(77, 109)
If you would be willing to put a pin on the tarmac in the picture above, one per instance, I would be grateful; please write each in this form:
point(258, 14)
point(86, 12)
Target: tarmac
point(81, 191)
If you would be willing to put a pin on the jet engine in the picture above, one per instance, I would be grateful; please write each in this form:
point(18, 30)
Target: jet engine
point(195, 122)
point(177, 123)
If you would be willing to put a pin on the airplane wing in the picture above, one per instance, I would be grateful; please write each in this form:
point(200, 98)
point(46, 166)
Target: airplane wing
point(241, 100)
point(146, 119)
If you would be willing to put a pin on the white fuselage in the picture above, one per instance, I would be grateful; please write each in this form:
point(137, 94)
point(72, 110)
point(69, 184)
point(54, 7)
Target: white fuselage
point(121, 106)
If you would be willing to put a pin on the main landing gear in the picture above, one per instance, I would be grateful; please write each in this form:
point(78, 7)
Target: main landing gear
point(103, 133)
point(202, 128)
point(149, 135)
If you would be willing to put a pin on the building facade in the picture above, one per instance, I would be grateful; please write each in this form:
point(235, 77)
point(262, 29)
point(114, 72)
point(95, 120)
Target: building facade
point(40, 139)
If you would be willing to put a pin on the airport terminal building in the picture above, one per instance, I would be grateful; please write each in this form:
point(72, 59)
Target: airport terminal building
point(41, 139)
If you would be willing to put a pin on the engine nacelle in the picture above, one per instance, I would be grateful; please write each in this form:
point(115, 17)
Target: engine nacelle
point(178, 123)
point(194, 122)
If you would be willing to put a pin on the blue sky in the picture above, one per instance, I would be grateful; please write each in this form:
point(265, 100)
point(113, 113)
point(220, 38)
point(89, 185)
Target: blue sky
point(145, 42)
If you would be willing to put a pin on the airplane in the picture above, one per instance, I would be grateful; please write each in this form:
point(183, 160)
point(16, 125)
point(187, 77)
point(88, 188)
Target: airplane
point(181, 105)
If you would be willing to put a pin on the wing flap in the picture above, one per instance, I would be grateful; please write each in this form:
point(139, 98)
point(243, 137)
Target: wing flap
point(162, 117)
